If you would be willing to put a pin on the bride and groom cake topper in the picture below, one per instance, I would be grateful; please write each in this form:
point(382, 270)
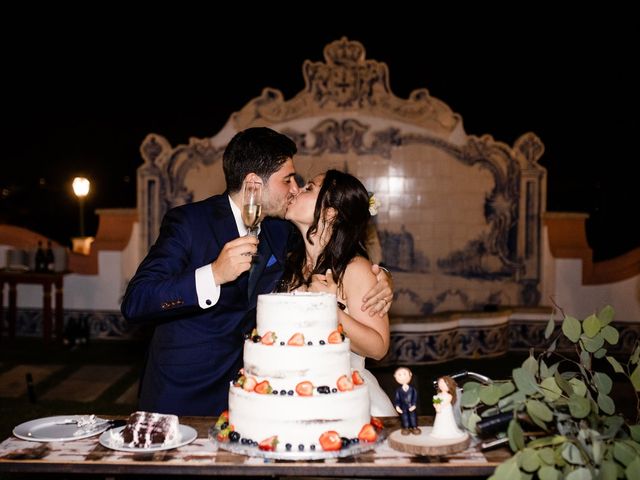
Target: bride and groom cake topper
point(406, 401)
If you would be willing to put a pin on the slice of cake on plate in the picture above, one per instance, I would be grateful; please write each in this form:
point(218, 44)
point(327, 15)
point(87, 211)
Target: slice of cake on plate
point(144, 429)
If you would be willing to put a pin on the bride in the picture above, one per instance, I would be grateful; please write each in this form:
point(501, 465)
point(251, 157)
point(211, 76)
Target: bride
point(331, 214)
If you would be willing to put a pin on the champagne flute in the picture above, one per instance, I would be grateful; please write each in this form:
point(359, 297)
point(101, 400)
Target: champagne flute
point(251, 206)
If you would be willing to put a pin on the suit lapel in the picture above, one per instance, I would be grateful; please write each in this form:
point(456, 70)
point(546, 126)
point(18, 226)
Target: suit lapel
point(271, 244)
point(222, 224)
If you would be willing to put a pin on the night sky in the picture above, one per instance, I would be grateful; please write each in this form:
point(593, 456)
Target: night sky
point(79, 96)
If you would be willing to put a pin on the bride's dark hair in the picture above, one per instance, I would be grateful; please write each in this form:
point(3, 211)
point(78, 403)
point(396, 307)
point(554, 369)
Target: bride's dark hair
point(348, 197)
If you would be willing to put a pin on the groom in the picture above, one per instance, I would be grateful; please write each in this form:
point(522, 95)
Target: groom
point(195, 284)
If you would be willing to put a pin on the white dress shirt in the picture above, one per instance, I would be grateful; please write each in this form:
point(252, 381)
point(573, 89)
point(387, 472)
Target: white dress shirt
point(207, 290)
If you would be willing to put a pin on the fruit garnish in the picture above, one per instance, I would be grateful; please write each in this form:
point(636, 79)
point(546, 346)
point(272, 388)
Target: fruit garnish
point(249, 384)
point(296, 340)
point(377, 423)
point(269, 444)
point(330, 441)
point(223, 418)
point(357, 379)
point(344, 384)
point(340, 328)
point(368, 433)
point(269, 338)
point(263, 387)
point(304, 389)
point(335, 337)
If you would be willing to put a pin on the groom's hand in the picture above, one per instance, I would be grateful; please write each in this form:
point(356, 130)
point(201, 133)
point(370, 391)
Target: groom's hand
point(234, 259)
point(378, 299)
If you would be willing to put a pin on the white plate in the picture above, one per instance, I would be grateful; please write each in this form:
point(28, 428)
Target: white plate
point(187, 435)
point(48, 429)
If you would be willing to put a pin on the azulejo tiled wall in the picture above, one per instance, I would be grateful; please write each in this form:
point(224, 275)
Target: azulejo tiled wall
point(460, 216)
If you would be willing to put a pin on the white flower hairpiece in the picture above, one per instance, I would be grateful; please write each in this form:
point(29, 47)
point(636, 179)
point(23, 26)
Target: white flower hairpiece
point(374, 204)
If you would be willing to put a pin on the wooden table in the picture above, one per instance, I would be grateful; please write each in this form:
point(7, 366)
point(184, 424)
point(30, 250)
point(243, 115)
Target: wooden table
point(47, 280)
point(201, 457)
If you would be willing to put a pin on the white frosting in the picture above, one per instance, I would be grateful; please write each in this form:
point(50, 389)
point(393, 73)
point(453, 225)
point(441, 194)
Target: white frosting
point(297, 419)
point(315, 315)
point(285, 366)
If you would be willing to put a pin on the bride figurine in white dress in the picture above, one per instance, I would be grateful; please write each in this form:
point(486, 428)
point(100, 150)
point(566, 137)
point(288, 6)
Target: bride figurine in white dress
point(444, 425)
point(332, 212)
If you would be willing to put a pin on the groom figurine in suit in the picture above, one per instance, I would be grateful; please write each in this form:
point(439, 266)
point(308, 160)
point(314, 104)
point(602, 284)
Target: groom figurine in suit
point(195, 284)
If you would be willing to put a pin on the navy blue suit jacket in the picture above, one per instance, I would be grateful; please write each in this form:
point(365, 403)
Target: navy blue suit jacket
point(195, 352)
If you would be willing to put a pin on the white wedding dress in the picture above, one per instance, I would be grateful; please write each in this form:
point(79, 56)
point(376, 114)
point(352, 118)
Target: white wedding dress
point(381, 406)
point(444, 425)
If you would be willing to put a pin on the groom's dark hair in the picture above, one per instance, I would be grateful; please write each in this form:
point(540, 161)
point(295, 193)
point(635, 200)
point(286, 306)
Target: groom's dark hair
point(260, 150)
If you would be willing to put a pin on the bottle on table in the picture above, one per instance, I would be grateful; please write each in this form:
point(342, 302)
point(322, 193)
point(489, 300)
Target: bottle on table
point(40, 258)
point(49, 260)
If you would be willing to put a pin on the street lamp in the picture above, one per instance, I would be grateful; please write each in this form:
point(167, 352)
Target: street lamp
point(81, 189)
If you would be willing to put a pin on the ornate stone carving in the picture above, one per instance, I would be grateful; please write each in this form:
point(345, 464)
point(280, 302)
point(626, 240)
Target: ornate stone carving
point(347, 81)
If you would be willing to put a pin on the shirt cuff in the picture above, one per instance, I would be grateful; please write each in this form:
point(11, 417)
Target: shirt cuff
point(206, 289)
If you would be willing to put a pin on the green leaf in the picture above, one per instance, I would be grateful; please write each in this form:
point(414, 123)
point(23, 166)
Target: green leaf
point(525, 381)
point(471, 385)
point(579, 406)
point(490, 394)
point(608, 470)
point(469, 419)
point(636, 355)
point(550, 389)
point(635, 378)
point(610, 334)
point(470, 398)
point(531, 364)
point(572, 454)
point(623, 453)
point(506, 388)
point(579, 474)
point(615, 364)
point(563, 384)
point(552, 347)
point(606, 315)
point(585, 359)
point(635, 432)
point(591, 325)
point(538, 409)
point(603, 382)
point(571, 328)
point(546, 456)
point(516, 436)
point(549, 473)
point(632, 471)
point(600, 353)
point(612, 425)
point(548, 331)
point(605, 402)
point(579, 388)
point(516, 398)
point(507, 470)
point(592, 344)
point(529, 461)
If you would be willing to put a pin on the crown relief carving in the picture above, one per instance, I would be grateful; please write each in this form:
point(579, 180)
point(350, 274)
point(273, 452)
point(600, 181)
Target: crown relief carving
point(347, 81)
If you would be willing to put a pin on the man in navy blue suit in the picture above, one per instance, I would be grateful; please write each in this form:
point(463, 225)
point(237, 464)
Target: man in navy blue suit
point(196, 286)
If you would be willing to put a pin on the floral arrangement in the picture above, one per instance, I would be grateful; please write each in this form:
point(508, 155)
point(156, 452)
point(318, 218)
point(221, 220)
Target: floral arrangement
point(374, 204)
point(436, 400)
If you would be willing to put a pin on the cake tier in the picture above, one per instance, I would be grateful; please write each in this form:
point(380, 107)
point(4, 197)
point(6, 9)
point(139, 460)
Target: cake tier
point(297, 420)
point(286, 314)
point(286, 366)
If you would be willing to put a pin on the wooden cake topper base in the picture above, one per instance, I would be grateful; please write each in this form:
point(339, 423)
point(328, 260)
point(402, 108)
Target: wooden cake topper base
point(424, 444)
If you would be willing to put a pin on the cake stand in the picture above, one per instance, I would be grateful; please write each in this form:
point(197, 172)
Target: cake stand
point(425, 444)
point(254, 451)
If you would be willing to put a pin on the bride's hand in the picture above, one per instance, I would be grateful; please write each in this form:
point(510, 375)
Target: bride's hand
point(323, 283)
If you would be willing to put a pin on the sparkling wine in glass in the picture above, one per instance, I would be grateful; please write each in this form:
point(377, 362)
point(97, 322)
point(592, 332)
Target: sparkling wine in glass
point(251, 206)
